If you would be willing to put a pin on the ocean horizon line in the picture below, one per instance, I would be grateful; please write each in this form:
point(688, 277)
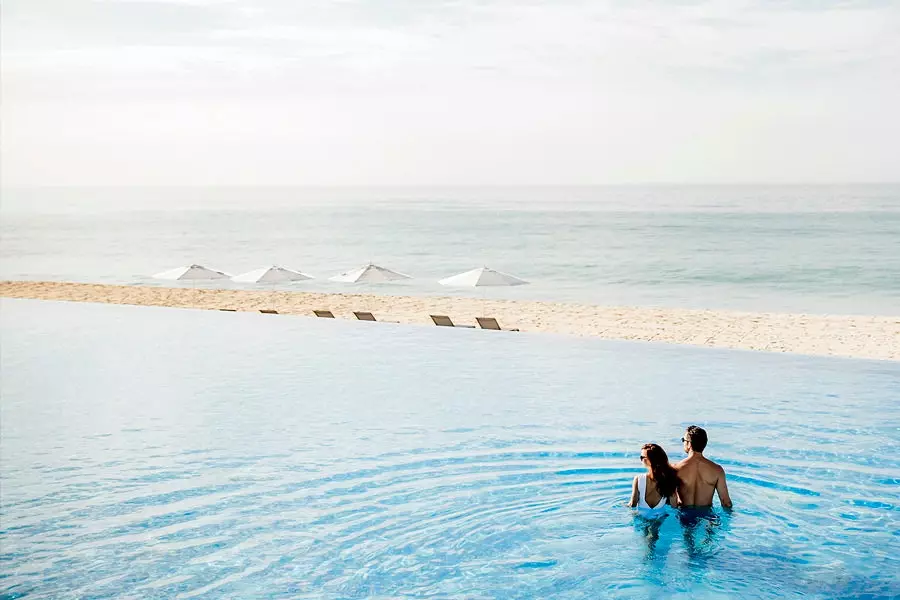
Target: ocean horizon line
point(466, 186)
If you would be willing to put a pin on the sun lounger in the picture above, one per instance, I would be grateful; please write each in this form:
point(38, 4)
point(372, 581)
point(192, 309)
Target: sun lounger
point(325, 314)
point(444, 321)
point(268, 311)
point(367, 316)
point(491, 323)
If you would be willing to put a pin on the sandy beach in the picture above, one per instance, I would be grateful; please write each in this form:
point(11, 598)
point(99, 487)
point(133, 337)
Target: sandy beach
point(875, 337)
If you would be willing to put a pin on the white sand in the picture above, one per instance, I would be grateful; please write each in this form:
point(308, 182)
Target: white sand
point(875, 337)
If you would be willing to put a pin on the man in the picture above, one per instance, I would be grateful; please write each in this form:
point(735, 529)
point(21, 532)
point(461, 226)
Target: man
point(699, 477)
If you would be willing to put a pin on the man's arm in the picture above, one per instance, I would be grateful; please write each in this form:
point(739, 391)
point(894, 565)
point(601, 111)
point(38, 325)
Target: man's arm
point(634, 494)
point(722, 489)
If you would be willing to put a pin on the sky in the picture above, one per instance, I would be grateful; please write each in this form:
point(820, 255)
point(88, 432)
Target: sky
point(475, 92)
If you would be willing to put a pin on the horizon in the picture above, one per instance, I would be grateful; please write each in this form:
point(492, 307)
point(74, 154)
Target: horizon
point(744, 198)
point(411, 186)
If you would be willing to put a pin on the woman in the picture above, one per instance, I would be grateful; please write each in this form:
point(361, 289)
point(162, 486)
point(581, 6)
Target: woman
point(658, 486)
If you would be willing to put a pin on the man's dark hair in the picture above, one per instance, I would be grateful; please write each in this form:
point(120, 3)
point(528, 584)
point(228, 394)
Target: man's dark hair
point(697, 437)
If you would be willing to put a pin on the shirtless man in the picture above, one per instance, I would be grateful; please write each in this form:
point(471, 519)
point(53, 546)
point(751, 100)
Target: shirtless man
point(699, 477)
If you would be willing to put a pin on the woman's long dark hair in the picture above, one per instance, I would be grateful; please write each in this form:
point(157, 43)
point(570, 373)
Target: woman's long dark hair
point(665, 477)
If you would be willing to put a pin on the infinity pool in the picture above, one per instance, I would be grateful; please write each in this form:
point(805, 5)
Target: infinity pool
point(162, 453)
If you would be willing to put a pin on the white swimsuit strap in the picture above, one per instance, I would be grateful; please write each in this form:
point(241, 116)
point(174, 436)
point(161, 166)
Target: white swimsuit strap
point(642, 491)
point(642, 494)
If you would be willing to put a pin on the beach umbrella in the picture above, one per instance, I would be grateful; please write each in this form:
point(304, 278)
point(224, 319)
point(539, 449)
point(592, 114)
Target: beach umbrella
point(369, 274)
point(191, 273)
point(273, 274)
point(482, 277)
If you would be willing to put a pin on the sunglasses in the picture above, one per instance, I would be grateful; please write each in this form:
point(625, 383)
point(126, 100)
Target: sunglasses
point(683, 440)
point(644, 457)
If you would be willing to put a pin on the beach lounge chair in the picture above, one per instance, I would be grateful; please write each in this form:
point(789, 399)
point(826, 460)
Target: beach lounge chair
point(444, 321)
point(325, 314)
point(491, 323)
point(268, 311)
point(367, 316)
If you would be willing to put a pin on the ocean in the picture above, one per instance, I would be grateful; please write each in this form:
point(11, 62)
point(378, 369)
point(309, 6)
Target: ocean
point(802, 249)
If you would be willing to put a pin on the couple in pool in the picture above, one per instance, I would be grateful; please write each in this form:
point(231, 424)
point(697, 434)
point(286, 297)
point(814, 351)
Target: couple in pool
point(689, 484)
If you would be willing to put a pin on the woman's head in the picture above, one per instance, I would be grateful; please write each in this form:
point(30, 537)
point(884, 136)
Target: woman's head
point(653, 454)
point(657, 462)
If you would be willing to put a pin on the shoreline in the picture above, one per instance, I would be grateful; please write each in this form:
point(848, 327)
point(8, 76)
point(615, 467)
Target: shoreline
point(868, 337)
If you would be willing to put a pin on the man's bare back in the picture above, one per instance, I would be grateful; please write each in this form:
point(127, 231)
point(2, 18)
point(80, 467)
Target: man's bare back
point(700, 478)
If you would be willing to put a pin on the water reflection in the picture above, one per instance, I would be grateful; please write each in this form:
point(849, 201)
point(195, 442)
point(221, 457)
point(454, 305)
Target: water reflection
point(649, 529)
point(701, 529)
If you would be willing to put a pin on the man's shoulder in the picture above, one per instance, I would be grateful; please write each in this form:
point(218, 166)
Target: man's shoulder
point(715, 466)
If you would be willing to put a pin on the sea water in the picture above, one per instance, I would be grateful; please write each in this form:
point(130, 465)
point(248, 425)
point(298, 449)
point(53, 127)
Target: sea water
point(166, 453)
point(826, 249)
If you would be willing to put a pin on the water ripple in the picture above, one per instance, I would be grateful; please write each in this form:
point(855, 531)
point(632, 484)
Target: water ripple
point(391, 525)
point(199, 472)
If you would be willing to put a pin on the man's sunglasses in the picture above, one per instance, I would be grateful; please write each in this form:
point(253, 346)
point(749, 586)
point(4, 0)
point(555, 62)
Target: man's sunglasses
point(683, 440)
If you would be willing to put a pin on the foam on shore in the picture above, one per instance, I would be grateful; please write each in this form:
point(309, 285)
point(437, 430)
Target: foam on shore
point(875, 337)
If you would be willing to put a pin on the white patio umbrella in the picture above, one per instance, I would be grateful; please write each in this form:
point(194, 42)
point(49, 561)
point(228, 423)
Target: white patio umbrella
point(369, 274)
point(191, 273)
point(273, 274)
point(482, 277)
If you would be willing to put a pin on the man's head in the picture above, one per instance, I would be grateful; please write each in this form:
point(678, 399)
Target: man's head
point(694, 439)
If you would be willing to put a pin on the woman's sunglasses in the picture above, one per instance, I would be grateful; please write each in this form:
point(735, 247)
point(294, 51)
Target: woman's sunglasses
point(644, 457)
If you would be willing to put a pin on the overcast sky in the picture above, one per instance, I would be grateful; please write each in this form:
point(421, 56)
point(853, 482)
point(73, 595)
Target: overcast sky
point(459, 92)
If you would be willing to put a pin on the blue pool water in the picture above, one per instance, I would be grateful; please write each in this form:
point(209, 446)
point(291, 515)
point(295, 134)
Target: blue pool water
point(162, 453)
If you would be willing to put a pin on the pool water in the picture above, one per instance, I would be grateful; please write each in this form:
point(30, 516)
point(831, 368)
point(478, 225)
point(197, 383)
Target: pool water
point(163, 453)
